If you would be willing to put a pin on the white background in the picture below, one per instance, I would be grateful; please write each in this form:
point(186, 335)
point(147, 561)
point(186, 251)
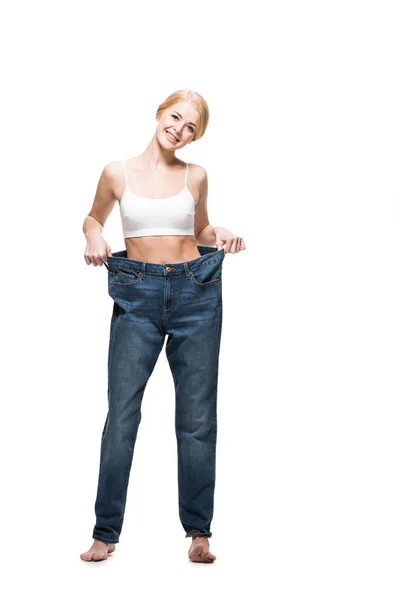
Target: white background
point(302, 153)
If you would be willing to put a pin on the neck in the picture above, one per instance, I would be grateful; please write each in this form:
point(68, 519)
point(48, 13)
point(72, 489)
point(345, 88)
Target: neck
point(157, 157)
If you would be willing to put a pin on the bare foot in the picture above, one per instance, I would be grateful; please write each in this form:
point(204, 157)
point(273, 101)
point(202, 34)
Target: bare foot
point(98, 551)
point(199, 550)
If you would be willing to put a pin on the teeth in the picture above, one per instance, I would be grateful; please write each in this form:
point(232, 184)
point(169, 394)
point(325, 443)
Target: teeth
point(173, 137)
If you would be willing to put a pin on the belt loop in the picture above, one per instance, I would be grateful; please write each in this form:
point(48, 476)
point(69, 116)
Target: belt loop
point(187, 270)
point(143, 270)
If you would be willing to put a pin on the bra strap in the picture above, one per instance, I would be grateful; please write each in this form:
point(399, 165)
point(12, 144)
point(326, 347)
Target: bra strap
point(126, 180)
point(187, 169)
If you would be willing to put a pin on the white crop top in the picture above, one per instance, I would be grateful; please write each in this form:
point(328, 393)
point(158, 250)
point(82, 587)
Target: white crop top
point(142, 216)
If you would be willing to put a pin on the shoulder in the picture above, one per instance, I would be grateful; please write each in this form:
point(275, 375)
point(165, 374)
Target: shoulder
point(198, 179)
point(112, 177)
point(113, 169)
point(197, 173)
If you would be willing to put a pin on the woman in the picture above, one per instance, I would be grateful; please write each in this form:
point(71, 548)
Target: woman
point(168, 281)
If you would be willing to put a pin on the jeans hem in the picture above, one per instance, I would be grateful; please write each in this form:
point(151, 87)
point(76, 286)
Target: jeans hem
point(191, 533)
point(101, 539)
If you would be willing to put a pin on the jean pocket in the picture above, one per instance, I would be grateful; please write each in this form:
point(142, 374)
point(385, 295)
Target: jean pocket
point(209, 274)
point(123, 278)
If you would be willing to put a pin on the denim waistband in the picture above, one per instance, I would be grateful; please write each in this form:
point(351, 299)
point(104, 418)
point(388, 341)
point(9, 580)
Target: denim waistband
point(209, 254)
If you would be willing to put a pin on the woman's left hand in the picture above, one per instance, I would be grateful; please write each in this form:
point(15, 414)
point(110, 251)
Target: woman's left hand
point(233, 243)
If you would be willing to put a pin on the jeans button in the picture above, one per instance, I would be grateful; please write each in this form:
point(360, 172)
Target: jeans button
point(168, 268)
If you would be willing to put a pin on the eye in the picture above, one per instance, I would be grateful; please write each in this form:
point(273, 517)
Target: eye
point(189, 126)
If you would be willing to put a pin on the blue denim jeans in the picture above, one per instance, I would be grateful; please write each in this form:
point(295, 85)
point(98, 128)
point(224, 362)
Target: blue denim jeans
point(182, 301)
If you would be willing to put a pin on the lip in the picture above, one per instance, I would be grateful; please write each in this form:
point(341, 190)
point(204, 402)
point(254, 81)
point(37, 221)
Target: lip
point(171, 137)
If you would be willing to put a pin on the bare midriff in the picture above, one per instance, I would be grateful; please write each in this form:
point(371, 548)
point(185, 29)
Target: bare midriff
point(162, 249)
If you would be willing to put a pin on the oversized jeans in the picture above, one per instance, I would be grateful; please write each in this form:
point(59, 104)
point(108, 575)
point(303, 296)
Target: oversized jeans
point(152, 300)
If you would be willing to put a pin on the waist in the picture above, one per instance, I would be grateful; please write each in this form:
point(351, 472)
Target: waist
point(207, 255)
point(162, 249)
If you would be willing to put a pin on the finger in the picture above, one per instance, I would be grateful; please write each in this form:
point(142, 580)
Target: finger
point(229, 246)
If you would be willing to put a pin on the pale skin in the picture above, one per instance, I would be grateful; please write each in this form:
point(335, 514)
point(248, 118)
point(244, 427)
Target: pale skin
point(157, 173)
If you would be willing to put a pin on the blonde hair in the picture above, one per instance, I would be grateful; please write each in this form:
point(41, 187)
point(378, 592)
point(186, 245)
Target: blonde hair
point(200, 105)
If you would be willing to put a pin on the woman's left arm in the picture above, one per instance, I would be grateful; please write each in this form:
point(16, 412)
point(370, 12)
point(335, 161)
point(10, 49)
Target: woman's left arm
point(205, 233)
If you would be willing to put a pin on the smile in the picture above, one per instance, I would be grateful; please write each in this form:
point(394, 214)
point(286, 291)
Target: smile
point(172, 138)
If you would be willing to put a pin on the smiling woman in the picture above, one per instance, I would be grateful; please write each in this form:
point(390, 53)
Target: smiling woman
point(166, 282)
point(168, 228)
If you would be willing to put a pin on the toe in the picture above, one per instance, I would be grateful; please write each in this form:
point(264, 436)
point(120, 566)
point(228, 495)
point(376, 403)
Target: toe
point(210, 556)
point(86, 556)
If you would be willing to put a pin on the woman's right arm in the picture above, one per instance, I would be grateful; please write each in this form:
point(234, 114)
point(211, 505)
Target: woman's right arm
point(97, 249)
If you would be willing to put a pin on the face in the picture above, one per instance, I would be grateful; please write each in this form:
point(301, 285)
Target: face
point(178, 121)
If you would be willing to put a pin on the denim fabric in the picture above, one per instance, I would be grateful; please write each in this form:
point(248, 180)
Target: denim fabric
point(182, 301)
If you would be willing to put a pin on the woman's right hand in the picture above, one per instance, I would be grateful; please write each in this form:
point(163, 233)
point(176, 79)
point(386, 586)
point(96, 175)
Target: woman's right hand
point(97, 249)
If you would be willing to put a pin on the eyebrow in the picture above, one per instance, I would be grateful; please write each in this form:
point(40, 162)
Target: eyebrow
point(182, 117)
